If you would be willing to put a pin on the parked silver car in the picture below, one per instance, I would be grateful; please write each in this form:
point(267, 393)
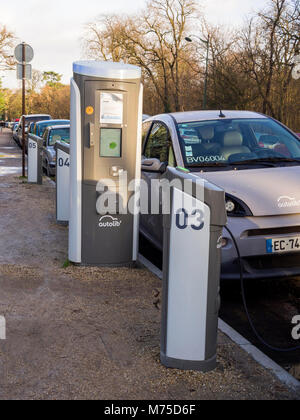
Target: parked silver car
point(37, 129)
point(26, 120)
point(52, 135)
point(256, 160)
point(15, 131)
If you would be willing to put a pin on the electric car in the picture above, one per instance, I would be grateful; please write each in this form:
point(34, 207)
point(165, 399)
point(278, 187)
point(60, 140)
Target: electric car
point(256, 160)
point(52, 135)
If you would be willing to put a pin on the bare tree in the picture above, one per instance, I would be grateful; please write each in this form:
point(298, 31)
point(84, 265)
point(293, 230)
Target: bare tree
point(267, 52)
point(153, 39)
point(6, 44)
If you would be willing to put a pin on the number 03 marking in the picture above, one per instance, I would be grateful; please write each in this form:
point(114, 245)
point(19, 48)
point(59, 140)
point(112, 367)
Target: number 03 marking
point(182, 219)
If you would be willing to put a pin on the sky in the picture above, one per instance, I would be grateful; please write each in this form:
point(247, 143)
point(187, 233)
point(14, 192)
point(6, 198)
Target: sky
point(54, 28)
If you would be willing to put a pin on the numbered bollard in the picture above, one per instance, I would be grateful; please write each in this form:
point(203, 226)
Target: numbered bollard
point(191, 272)
point(35, 161)
point(62, 182)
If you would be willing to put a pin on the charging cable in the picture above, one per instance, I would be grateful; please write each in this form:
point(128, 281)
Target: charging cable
point(246, 306)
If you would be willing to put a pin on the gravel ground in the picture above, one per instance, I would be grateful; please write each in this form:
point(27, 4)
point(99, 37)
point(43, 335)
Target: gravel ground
point(92, 333)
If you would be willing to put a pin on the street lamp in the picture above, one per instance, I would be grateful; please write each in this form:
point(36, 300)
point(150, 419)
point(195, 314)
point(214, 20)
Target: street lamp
point(207, 43)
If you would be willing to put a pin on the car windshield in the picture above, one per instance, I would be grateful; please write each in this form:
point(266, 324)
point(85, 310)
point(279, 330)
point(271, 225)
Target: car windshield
point(35, 119)
point(42, 127)
point(237, 141)
point(59, 134)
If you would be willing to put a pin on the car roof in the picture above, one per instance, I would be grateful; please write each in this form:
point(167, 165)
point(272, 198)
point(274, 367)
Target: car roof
point(50, 121)
point(36, 115)
point(58, 127)
point(193, 116)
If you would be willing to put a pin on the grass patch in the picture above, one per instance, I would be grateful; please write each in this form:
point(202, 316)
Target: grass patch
point(23, 179)
point(66, 264)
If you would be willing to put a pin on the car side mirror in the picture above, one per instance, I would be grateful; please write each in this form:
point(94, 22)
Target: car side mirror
point(154, 165)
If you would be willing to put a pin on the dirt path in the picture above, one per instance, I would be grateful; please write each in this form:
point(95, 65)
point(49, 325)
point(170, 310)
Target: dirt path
point(91, 333)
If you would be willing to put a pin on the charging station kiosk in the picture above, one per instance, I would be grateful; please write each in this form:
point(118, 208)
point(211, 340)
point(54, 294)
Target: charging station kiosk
point(191, 274)
point(106, 119)
point(62, 182)
point(35, 164)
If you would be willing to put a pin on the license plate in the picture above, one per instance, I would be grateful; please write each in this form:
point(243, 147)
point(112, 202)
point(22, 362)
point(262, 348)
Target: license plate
point(276, 246)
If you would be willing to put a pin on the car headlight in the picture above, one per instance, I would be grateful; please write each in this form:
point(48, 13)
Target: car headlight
point(230, 206)
point(236, 207)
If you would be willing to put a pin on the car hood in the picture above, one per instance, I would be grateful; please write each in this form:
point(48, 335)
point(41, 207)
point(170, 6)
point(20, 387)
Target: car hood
point(267, 192)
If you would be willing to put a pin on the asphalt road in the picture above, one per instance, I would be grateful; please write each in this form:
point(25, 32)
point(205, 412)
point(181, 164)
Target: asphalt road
point(10, 154)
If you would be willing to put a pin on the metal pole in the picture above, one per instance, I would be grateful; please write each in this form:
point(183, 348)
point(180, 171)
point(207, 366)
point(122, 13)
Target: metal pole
point(206, 77)
point(23, 107)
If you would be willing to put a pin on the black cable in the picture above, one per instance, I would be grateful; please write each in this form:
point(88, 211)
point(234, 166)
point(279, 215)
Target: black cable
point(246, 306)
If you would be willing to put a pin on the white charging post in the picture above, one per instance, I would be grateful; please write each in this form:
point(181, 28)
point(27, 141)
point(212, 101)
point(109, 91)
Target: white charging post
point(191, 273)
point(62, 182)
point(35, 167)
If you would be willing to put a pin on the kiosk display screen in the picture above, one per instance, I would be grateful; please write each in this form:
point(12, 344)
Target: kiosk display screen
point(110, 142)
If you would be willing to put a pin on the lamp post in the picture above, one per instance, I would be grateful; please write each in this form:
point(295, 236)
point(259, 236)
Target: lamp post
point(207, 43)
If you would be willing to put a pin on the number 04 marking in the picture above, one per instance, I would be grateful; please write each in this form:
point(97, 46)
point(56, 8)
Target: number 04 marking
point(63, 162)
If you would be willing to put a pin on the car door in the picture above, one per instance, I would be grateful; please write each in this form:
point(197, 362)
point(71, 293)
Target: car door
point(45, 144)
point(20, 131)
point(29, 134)
point(157, 155)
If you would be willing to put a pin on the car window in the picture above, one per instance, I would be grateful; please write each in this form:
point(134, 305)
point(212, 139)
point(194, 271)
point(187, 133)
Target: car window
point(61, 134)
point(45, 136)
point(209, 143)
point(41, 129)
point(37, 118)
point(43, 126)
point(146, 128)
point(159, 145)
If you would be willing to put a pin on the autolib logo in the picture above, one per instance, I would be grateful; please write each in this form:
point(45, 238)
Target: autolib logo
point(109, 222)
point(286, 202)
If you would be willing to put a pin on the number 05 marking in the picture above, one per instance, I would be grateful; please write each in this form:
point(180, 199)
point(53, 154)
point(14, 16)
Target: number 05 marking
point(182, 219)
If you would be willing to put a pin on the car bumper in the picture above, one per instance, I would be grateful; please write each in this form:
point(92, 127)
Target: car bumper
point(251, 234)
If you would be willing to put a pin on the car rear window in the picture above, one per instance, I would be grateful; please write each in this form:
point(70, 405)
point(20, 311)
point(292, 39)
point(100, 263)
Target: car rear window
point(29, 120)
point(42, 127)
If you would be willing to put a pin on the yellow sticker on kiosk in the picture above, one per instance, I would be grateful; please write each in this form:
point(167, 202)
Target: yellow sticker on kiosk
point(89, 110)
